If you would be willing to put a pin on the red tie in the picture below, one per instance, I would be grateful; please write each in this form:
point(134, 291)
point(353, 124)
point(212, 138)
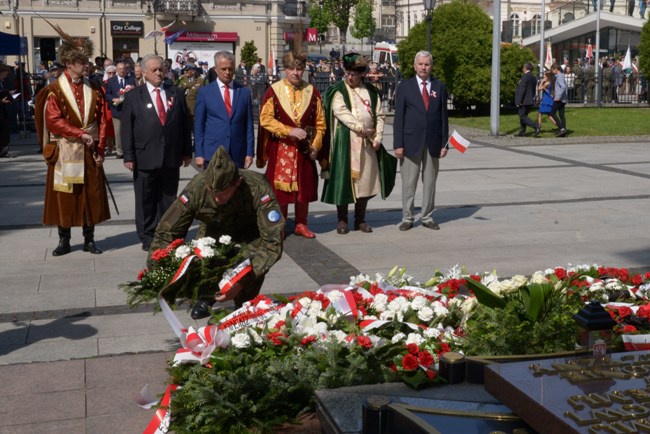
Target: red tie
point(226, 99)
point(425, 95)
point(162, 114)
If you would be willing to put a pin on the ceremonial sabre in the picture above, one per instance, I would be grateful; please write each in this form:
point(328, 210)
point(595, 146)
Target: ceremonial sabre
point(108, 186)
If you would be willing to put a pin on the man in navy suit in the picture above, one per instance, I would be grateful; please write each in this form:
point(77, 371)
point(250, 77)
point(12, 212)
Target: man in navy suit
point(421, 131)
point(223, 116)
point(116, 88)
point(156, 138)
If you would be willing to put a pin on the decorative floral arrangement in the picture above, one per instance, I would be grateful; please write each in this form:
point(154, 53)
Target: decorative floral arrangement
point(258, 367)
point(126, 89)
point(207, 260)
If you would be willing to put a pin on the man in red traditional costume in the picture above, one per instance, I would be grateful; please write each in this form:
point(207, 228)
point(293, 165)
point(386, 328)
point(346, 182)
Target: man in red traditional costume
point(71, 124)
point(292, 125)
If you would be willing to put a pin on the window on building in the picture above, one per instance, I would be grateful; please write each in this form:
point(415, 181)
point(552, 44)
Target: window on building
point(516, 25)
point(388, 20)
point(537, 24)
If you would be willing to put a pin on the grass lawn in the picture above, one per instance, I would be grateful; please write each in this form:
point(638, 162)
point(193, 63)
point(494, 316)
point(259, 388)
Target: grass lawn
point(580, 122)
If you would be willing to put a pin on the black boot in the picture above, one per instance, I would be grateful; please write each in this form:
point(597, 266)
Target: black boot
point(89, 241)
point(64, 242)
point(360, 215)
point(342, 215)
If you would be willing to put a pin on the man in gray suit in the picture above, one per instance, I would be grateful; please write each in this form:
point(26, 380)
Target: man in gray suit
point(421, 130)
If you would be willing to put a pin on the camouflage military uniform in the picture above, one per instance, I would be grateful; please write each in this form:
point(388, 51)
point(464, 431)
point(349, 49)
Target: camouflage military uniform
point(252, 218)
point(590, 83)
point(191, 89)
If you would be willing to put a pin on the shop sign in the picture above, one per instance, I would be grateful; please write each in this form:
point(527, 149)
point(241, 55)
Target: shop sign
point(127, 28)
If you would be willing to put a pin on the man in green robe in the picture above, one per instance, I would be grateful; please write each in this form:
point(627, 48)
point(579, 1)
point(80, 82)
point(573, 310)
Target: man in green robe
point(355, 125)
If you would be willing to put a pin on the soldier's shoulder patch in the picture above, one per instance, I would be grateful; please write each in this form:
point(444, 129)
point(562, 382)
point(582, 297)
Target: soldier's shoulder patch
point(273, 216)
point(184, 199)
point(265, 199)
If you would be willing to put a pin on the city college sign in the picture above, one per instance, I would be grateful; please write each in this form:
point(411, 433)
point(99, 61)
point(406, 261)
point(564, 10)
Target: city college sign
point(127, 28)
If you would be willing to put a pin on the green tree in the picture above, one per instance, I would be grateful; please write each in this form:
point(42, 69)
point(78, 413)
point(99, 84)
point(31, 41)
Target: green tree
point(513, 58)
point(339, 12)
point(319, 17)
point(249, 53)
point(461, 45)
point(364, 24)
point(644, 50)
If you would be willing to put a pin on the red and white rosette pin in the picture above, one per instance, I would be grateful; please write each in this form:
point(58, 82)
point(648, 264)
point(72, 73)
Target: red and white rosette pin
point(234, 275)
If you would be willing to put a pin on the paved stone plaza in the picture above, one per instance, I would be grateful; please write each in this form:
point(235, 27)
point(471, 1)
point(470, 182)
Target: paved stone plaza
point(73, 355)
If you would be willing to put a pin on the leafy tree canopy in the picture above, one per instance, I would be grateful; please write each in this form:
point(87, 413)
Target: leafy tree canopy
point(249, 53)
point(319, 16)
point(644, 50)
point(364, 24)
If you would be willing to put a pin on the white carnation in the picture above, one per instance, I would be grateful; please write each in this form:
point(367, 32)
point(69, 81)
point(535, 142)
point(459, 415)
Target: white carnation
point(399, 304)
point(538, 277)
point(597, 286)
point(256, 336)
point(418, 302)
point(241, 340)
point(414, 338)
point(431, 333)
point(613, 285)
point(468, 305)
point(440, 309)
point(334, 295)
point(337, 336)
point(225, 239)
point(315, 308)
point(387, 315)
point(206, 251)
point(398, 337)
point(182, 251)
point(425, 313)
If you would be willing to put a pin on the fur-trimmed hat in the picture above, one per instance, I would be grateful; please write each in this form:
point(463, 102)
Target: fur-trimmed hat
point(355, 62)
point(294, 60)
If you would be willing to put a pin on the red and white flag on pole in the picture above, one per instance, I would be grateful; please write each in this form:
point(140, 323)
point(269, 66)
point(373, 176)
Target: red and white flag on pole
point(459, 142)
point(549, 56)
point(590, 52)
point(271, 64)
point(167, 27)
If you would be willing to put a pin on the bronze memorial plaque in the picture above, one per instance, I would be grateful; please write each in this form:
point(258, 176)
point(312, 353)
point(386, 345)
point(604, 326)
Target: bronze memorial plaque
point(577, 394)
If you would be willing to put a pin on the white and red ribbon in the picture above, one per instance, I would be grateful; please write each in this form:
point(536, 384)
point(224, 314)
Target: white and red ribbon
point(231, 277)
point(160, 422)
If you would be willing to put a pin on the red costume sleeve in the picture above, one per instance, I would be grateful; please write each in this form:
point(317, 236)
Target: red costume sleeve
point(56, 121)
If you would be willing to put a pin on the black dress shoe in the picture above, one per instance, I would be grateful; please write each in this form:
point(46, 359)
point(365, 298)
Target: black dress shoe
point(91, 247)
point(405, 226)
point(538, 131)
point(431, 225)
point(562, 133)
point(521, 134)
point(145, 247)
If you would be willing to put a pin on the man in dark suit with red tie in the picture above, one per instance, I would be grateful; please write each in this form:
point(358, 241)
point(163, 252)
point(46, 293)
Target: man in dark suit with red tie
point(223, 116)
point(156, 139)
point(116, 88)
point(421, 130)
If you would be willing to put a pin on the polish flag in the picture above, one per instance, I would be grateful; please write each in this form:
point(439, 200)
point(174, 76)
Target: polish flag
point(167, 27)
point(459, 142)
point(590, 52)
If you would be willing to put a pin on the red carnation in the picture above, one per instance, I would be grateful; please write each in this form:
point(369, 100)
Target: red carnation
point(425, 358)
point(410, 362)
point(637, 280)
point(444, 347)
point(560, 273)
point(275, 338)
point(280, 324)
point(307, 340)
point(141, 274)
point(177, 242)
point(393, 367)
point(159, 255)
point(629, 329)
point(413, 348)
point(624, 311)
point(364, 341)
point(644, 311)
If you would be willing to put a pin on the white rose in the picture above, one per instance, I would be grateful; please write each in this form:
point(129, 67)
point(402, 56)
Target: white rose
point(425, 313)
point(241, 340)
point(418, 302)
point(414, 338)
point(225, 239)
point(182, 252)
point(538, 277)
point(398, 337)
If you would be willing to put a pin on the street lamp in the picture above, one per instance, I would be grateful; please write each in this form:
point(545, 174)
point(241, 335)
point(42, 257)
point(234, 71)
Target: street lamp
point(428, 6)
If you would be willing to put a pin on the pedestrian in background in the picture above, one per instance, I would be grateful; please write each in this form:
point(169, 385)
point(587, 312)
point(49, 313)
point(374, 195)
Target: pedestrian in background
point(559, 100)
point(525, 99)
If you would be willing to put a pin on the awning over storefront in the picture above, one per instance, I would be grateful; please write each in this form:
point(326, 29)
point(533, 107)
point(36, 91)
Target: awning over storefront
point(12, 45)
point(190, 36)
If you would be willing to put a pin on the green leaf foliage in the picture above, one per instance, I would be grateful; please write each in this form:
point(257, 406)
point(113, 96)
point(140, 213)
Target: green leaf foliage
point(513, 58)
point(249, 53)
point(339, 12)
point(319, 17)
point(644, 50)
point(484, 295)
point(461, 45)
point(364, 24)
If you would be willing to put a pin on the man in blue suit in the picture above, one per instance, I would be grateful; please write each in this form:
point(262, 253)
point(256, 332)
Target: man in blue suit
point(421, 130)
point(223, 116)
point(116, 88)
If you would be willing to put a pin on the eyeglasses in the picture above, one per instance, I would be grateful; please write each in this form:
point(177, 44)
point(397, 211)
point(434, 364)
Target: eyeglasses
point(111, 73)
point(352, 74)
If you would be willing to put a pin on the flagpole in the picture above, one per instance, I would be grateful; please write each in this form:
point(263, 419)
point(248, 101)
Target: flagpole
point(597, 69)
point(541, 40)
point(495, 96)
